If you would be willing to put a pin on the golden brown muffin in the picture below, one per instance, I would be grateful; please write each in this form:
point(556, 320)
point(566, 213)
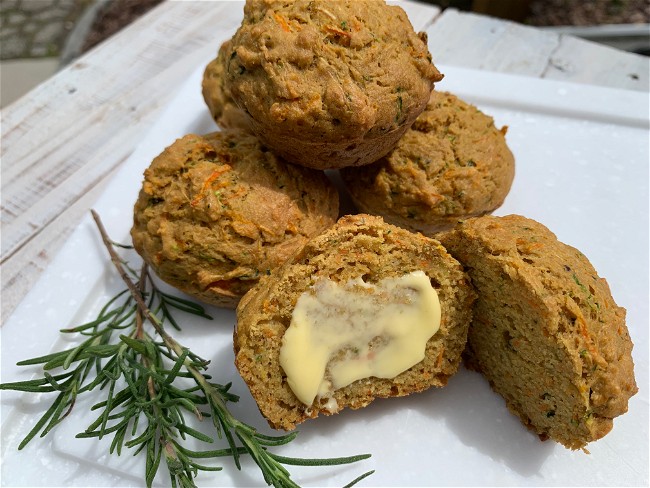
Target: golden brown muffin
point(218, 211)
point(453, 163)
point(217, 97)
point(546, 332)
point(359, 247)
point(329, 84)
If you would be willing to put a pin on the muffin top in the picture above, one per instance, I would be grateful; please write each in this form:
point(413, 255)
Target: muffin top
point(452, 163)
point(327, 70)
point(217, 211)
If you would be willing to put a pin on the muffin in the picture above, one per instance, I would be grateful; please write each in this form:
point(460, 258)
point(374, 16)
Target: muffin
point(216, 212)
point(546, 332)
point(329, 84)
point(345, 288)
point(453, 163)
point(217, 97)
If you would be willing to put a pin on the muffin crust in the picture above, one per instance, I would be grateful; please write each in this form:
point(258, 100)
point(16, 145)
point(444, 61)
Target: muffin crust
point(218, 211)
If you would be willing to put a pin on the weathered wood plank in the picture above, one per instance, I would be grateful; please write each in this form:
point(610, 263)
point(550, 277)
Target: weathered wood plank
point(77, 127)
point(61, 143)
point(503, 46)
point(473, 41)
point(580, 61)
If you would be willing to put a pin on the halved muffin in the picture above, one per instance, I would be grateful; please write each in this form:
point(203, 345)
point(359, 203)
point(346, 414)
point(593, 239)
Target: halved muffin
point(350, 318)
point(546, 332)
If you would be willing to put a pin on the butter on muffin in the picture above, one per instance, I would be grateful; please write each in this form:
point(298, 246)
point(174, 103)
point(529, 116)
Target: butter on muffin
point(365, 310)
point(453, 163)
point(216, 212)
point(546, 332)
point(216, 94)
point(329, 84)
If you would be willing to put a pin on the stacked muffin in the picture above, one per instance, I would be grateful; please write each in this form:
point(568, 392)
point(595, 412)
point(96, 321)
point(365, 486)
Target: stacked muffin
point(247, 218)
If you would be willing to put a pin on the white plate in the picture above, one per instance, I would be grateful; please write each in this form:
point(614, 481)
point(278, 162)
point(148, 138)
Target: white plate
point(582, 170)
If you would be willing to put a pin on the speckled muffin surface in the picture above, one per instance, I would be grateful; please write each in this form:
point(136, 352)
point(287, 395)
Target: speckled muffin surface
point(216, 212)
point(356, 246)
point(217, 96)
point(452, 163)
point(546, 332)
point(329, 84)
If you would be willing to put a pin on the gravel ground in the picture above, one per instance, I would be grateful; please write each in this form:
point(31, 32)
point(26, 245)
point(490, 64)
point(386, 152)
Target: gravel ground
point(116, 15)
point(120, 13)
point(583, 13)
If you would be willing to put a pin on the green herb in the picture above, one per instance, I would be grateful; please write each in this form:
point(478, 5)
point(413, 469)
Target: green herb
point(591, 301)
point(151, 383)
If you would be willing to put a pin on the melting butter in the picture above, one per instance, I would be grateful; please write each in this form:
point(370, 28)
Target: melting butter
point(343, 332)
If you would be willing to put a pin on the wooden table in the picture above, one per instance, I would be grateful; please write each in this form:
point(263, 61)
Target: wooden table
point(62, 142)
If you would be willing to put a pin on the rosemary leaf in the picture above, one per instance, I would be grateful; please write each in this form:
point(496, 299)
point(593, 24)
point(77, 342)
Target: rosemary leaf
point(134, 344)
point(99, 351)
point(42, 421)
point(358, 479)
point(44, 359)
point(319, 462)
point(268, 440)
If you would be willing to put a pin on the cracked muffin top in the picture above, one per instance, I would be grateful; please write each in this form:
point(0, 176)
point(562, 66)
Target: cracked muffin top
point(216, 212)
point(329, 84)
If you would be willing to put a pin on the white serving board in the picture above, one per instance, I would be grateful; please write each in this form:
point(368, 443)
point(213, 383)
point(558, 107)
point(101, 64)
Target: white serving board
point(582, 170)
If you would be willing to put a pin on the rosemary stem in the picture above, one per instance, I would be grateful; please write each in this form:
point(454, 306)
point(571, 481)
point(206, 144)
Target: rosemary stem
point(144, 310)
point(135, 293)
point(244, 430)
point(139, 321)
point(272, 469)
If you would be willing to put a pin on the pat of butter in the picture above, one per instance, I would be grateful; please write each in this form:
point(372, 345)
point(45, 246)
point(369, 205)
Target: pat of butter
point(343, 332)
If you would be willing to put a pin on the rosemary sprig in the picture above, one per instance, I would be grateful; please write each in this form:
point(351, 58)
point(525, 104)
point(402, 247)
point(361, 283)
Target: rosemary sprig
point(151, 382)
